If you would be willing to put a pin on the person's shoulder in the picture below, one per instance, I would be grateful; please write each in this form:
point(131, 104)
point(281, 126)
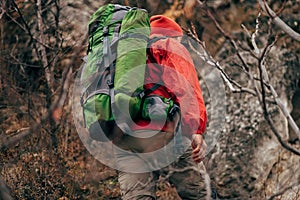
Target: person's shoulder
point(175, 45)
point(171, 45)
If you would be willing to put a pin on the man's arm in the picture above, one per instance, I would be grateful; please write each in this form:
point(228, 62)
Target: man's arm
point(199, 148)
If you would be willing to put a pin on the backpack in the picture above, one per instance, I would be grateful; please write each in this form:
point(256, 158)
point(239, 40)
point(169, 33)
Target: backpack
point(114, 70)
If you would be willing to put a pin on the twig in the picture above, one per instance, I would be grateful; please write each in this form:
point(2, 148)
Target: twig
point(232, 85)
point(260, 95)
point(4, 191)
point(245, 66)
point(263, 74)
point(26, 27)
point(279, 22)
point(207, 57)
point(6, 142)
point(23, 20)
point(253, 36)
point(230, 39)
point(278, 101)
point(282, 8)
point(284, 190)
point(207, 180)
point(2, 12)
point(249, 50)
point(32, 38)
point(43, 53)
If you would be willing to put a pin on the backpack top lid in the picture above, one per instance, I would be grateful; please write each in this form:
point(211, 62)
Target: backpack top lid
point(163, 25)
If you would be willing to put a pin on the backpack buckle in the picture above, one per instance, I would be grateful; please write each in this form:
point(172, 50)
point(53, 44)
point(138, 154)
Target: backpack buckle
point(81, 101)
point(110, 84)
point(174, 109)
point(105, 31)
point(141, 94)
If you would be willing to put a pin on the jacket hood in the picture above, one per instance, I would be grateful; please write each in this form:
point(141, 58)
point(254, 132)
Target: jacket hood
point(163, 25)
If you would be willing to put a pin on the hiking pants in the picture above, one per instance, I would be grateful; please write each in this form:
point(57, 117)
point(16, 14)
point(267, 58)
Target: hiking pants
point(182, 173)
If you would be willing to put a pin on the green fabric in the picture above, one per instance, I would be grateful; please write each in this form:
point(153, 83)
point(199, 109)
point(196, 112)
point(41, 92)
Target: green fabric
point(126, 103)
point(97, 107)
point(131, 61)
point(103, 16)
point(102, 13)
point(156, 110)
point(130, 64)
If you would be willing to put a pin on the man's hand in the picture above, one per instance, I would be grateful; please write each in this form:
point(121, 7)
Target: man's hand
point(199, 148)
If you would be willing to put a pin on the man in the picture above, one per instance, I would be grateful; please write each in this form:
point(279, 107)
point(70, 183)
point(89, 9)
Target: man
point(170, 66)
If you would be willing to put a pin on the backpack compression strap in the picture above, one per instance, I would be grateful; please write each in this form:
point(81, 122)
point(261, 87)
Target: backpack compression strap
point(155, 39)
point(120, 121)
point(109, 56)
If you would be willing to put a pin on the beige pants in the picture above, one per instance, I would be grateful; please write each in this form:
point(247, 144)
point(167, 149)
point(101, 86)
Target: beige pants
point(187, 180)
point(182, 172)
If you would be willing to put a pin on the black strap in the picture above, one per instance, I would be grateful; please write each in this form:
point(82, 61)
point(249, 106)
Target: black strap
point(93, 27)
point(146, 92)
point(155, 39)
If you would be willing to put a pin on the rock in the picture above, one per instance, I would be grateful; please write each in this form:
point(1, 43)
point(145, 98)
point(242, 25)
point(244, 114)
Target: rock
point(248, 161)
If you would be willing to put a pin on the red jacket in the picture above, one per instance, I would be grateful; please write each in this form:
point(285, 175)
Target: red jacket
point(177, 72)
point(170, 64)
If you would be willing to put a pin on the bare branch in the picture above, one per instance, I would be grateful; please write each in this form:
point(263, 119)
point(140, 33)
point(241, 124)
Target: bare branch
point(278, 101)
point(48, 73)
point(253, 36)
point(26, 27)
point(207, 180)
point(286, 113)
point(4, 191)
point(279, 22)
point(230, 39)
point(261, 95)
point(263, 74)
point(242, 47)
point(23, 20)
point(9, 141)
point(32, 38)
point(232, 85)
point(6, 142)
point(17, 23)
point(284, 190)
point(2, 12)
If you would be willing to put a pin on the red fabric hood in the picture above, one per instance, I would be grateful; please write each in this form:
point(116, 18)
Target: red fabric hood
point(163, 25)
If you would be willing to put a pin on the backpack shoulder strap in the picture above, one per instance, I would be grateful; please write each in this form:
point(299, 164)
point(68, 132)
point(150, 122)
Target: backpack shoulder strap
point(146, 92)
point(155, 39)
